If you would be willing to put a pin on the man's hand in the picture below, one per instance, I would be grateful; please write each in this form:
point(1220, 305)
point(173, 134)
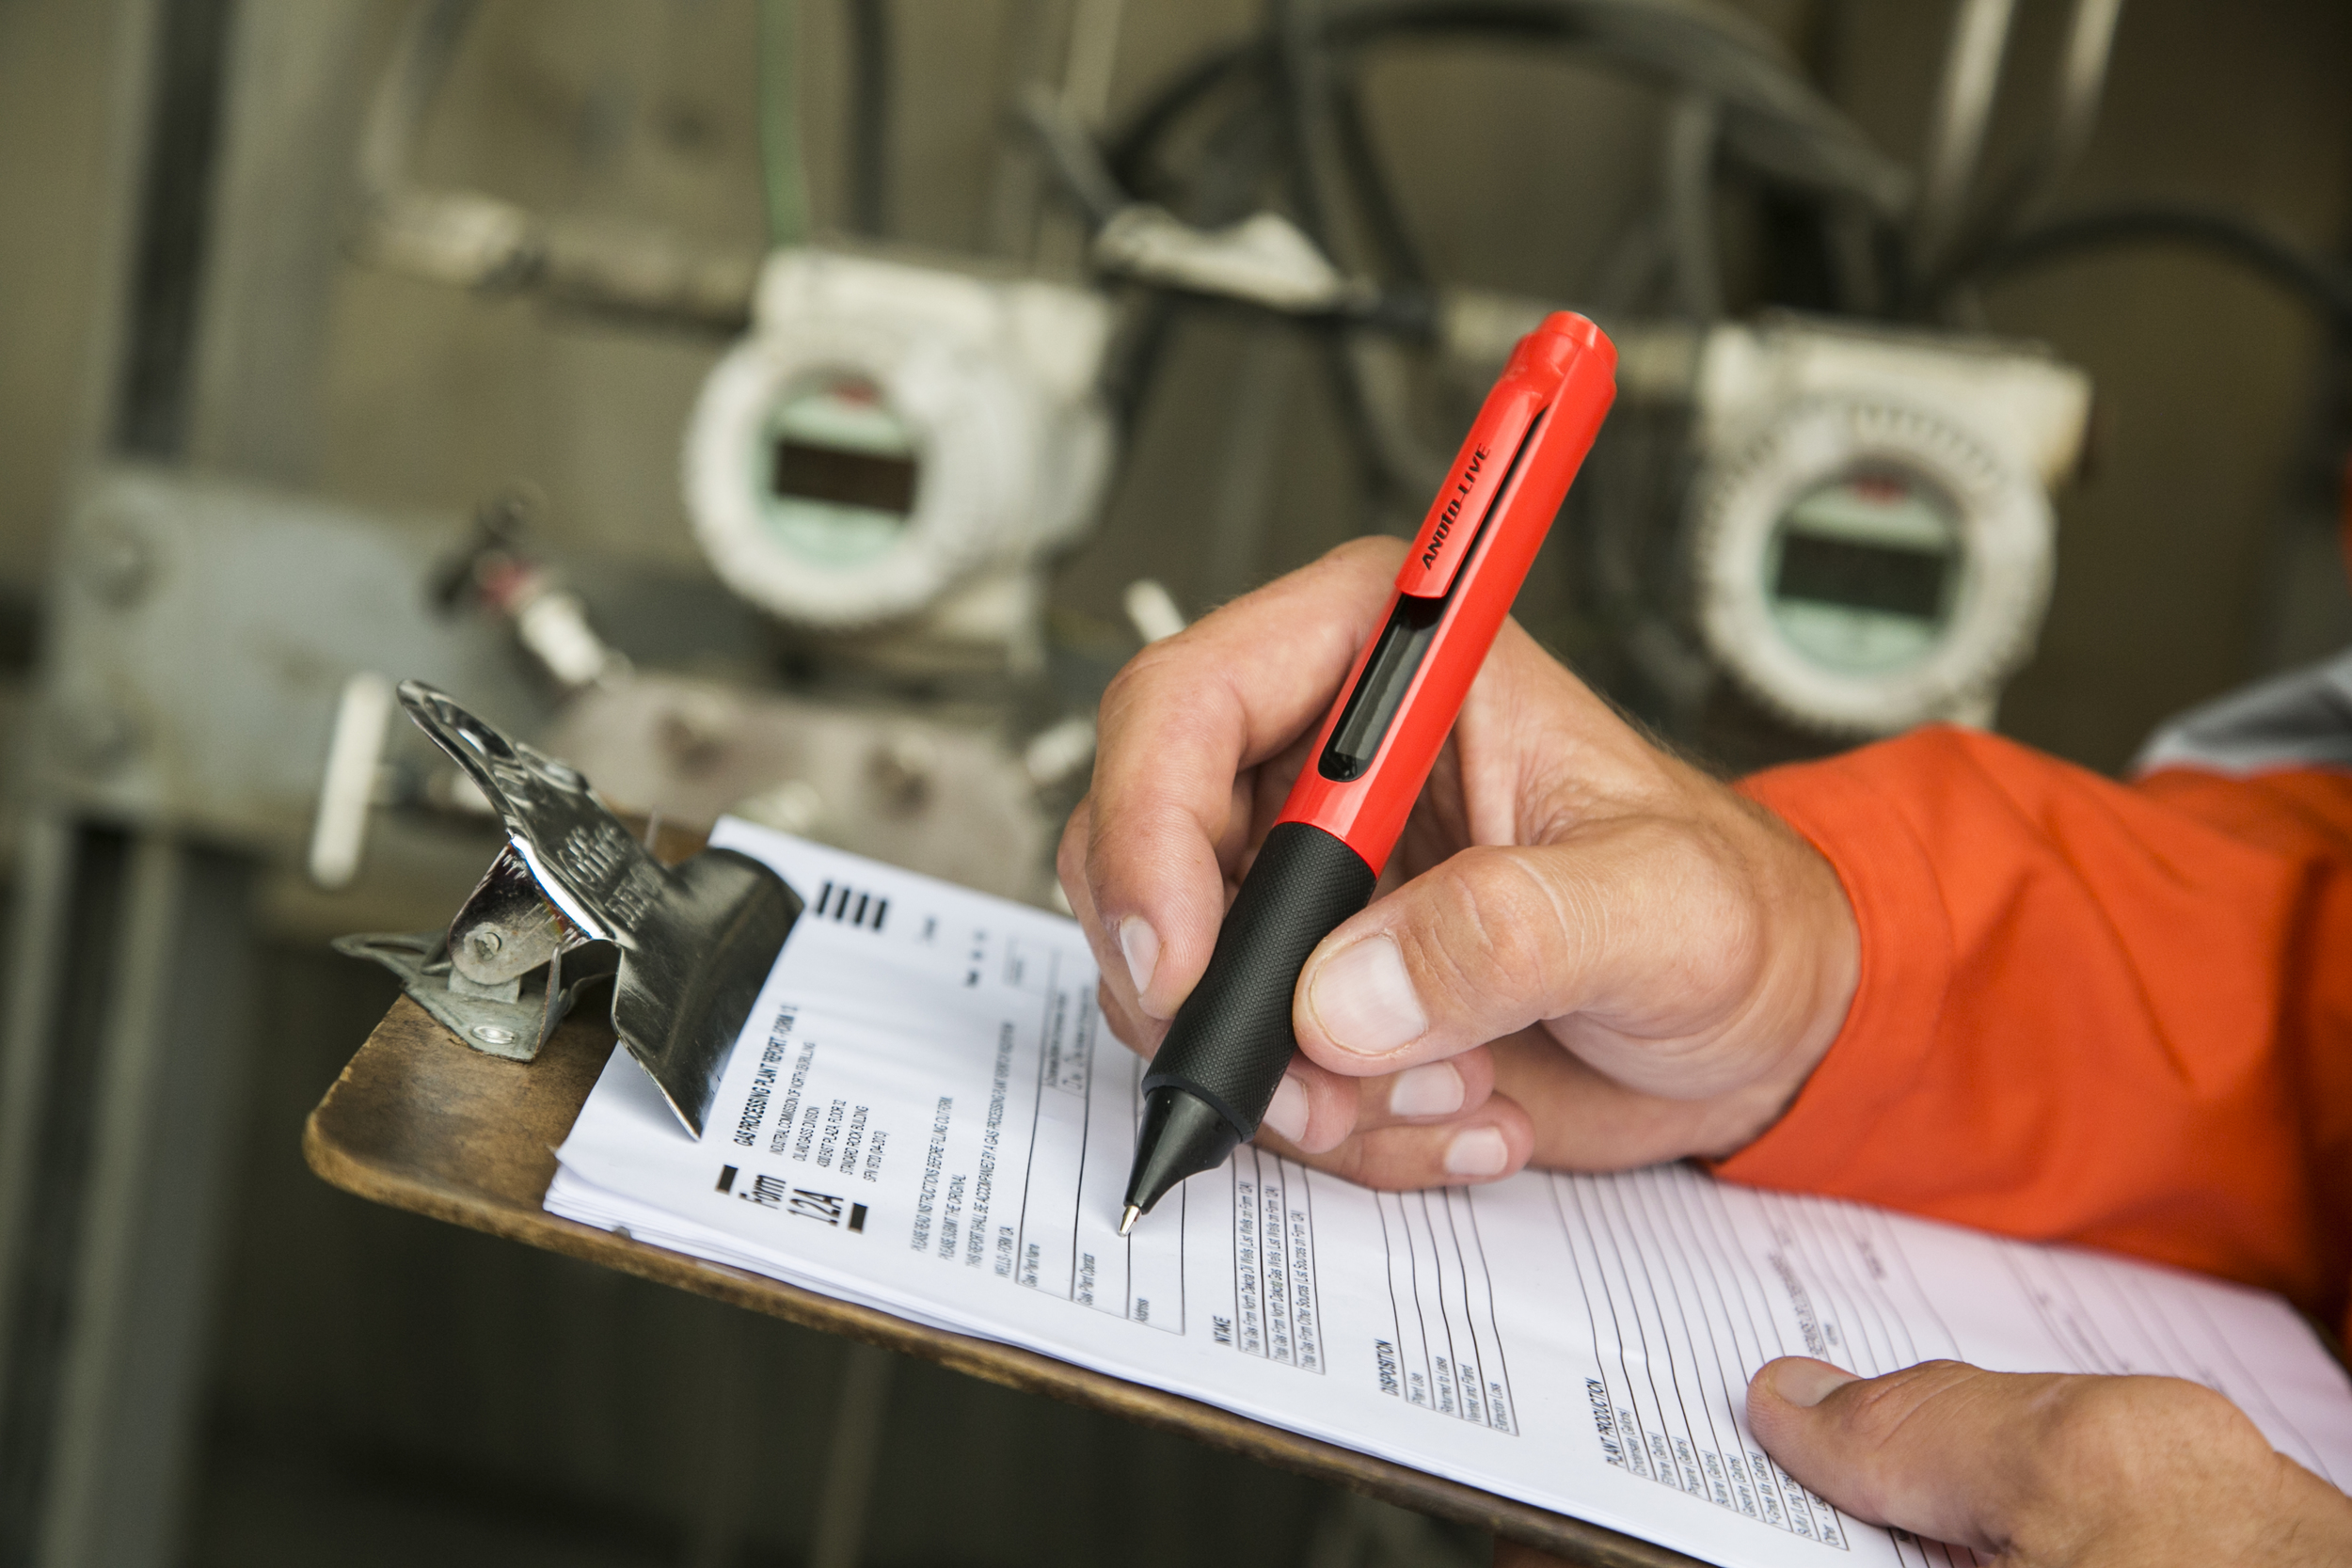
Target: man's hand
point(2044, 1472)
point(1586, 952)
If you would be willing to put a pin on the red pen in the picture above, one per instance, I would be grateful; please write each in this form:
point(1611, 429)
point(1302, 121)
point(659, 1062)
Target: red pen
point(1231, 1039)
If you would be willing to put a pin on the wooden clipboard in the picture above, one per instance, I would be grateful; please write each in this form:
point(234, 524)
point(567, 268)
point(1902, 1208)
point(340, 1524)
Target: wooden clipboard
point(420, 1121)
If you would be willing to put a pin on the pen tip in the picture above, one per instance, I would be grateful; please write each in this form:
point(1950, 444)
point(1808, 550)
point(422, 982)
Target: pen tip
point(1127, 1219)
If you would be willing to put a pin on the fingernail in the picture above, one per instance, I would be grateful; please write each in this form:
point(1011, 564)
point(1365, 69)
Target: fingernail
point(1286, 1114)
point(1141, 946)
point(1432, 1089)
point(1364, 1000)
point(1806, 1383)
point(1479, 1151)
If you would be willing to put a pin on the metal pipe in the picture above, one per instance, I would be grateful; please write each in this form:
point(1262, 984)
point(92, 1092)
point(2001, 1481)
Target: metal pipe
point(1964, 109)
point(2081, 85)
point(2027, 189)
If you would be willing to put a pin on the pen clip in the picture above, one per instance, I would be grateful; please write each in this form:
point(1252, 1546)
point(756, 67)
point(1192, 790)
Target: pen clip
point(1481, 472)
point(1511, 418)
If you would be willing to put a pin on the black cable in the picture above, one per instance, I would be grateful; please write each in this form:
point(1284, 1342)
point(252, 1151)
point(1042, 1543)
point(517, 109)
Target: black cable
point(1759, 112)
point(2222, 233)
point(1374, 197)
point(1238, 67)
point(1396, 464)
point(1298, 38)
point(1774, 122)
point(1071, 154)
point(1694, 137)
point(1238, 154)
point(870, 70)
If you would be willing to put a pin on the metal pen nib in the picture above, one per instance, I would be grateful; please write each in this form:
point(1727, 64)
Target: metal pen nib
point(1127, 1218)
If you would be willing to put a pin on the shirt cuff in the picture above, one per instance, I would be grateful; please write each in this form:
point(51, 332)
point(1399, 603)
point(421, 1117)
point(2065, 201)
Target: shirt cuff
point(1840, 806)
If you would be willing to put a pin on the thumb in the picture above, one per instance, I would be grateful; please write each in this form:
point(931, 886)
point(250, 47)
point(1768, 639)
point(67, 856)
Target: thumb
point(1932, 1448)
point(1943, 1450)
point(2154, 1468)
point(1634, 932)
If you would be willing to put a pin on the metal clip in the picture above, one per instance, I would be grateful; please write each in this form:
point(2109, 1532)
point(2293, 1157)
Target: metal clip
point(573, 900)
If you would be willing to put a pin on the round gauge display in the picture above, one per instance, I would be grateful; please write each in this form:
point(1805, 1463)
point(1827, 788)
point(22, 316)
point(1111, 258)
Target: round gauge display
point(1863, 565)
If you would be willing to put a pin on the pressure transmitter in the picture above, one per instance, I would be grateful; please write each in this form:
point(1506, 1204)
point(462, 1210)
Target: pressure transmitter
point(896, 445)
point(1870, 536)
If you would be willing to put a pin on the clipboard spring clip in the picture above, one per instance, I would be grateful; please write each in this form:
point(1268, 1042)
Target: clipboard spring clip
point(574, 900)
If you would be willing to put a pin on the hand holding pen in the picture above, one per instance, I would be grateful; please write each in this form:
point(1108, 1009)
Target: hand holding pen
point(1589, 954)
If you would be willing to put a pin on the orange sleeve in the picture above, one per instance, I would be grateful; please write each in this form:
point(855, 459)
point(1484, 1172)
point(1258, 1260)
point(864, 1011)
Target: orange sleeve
point(2112, 1014)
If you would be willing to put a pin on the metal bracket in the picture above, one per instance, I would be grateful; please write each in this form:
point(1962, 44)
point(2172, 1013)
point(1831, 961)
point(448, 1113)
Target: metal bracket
point(512, 1020)
point(573, 899)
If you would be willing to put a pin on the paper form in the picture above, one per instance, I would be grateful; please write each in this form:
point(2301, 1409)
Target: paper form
point(927, 1113)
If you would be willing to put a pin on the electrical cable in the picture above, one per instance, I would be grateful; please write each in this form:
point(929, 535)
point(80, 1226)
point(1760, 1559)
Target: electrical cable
point(1373, 197)
point(1775, 123)
point(1071, 154)
point(1739, 100)
point(783, 183)
point(871, 66)
point(1370, 380)
point(1237, 155)
point(2226, 235)
point(1693, 132)
point(1297, 33)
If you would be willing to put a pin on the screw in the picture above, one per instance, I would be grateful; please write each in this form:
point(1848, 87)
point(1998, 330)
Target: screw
point(900, 768)
point(118, 562)
point(482, 944)
point(492, 1034)
point(793, 807)
point(99, 737)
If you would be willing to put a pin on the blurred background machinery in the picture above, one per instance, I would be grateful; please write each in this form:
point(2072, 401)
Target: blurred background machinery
point(801, 408)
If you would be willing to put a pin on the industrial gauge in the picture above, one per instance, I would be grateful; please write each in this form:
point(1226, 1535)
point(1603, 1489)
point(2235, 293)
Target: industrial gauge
point(896, 441)
point(1870, 538)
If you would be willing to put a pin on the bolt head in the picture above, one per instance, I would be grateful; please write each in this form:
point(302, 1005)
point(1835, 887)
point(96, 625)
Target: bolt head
point(118, 561)
point(493, 1034)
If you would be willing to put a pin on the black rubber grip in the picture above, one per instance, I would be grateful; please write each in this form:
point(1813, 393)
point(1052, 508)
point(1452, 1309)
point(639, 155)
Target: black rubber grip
point(1232, 1038)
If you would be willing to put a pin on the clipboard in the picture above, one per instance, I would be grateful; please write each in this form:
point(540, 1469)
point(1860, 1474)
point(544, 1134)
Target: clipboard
point(422, 1121)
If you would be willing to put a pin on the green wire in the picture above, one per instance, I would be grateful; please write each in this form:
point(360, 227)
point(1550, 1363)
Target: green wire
point(786, 190)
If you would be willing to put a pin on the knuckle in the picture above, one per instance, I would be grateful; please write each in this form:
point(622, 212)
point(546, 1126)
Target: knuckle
point(1872, 1415)
point(1698, 892)
point(1876, 1407)
point(1129, 697)
point(2108, 1434)
point(1120, 696)
point(1497, 930)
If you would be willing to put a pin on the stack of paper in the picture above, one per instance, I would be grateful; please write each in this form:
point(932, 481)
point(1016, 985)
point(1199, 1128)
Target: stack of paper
point(927, 1115)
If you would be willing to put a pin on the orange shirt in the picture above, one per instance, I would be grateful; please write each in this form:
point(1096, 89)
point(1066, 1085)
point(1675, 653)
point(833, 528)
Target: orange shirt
point(2113, 1014)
